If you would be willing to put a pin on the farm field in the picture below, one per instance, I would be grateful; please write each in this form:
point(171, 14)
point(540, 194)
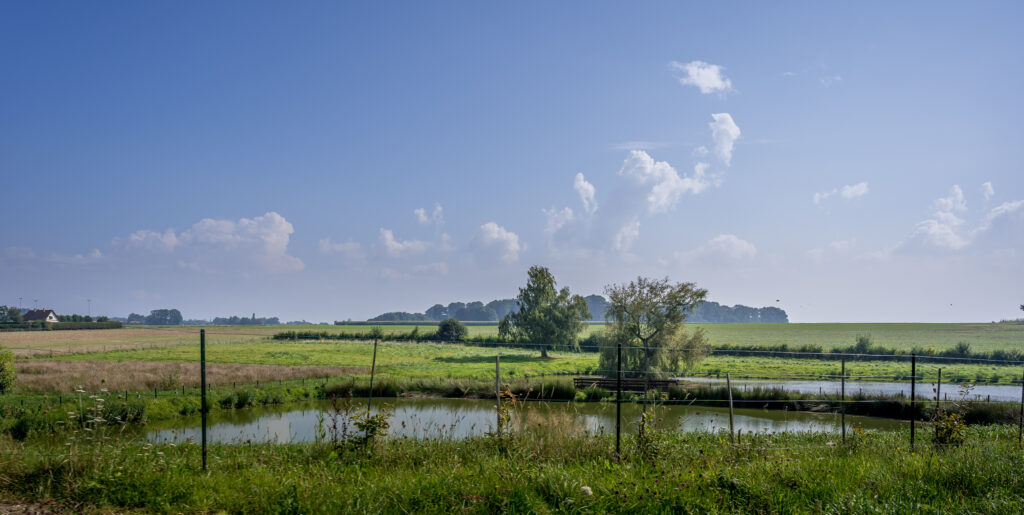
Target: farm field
point(981, 337)
point(432, 360)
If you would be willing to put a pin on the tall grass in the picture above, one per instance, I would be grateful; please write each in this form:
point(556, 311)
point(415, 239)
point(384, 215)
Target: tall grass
point(690, 473)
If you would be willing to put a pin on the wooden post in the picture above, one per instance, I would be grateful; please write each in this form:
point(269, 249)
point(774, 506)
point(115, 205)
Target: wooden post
point(913, 403)
point(618, 402)
point(728, 386)
point(373, 368)
point(497, 388)
point(938, 395)
point(202, 381)
point(842, 399)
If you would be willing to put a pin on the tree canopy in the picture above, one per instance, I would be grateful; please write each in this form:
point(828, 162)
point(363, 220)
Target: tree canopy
point(646, 317)
point(547, 317)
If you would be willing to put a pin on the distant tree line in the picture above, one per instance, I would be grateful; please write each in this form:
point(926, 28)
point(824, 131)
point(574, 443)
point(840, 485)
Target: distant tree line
point(81, 318)
point(597, 305)
point(715, 313)
point(157, 317)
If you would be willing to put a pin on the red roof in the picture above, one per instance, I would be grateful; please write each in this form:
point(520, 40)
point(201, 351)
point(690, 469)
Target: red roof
point(37, 314)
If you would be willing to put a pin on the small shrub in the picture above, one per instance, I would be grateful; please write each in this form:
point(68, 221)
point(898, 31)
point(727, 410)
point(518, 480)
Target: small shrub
point(950, 430)
point(6, 370)
point(451, 330)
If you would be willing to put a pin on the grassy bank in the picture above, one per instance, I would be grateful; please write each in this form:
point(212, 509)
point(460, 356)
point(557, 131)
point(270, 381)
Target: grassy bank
point(540, 473)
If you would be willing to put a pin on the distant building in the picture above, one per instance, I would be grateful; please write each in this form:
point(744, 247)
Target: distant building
point(40, 315)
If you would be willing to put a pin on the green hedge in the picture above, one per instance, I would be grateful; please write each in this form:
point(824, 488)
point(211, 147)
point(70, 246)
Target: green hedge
point(59, 326)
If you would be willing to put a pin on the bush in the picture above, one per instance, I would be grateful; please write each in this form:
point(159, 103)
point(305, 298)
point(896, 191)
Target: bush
point(6, 370)
point(451, 330)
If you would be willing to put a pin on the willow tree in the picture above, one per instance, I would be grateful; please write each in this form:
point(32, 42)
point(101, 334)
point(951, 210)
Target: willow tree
point(547, 317)
point(646, 318)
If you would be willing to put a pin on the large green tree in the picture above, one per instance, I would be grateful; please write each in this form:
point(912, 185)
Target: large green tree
point(646, 317)
point(548, 317)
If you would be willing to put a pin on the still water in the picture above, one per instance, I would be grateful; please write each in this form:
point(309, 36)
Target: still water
point(924, 390)
point(462, 418)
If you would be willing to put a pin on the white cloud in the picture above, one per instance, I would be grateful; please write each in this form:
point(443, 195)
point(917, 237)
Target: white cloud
point(724, 248)
point(218, 244)
point(626, 236)
point(556, 219)
point(940, 234)
point(1001, 211)
point(586, 193)
point(724, 132)
point(707, 77)
point(399, 248)
point(987, 190)
point(436, 217)
point(666, 186)
point(492, 237)
point(954, 202)
point(349, 250)
point(850, 191)
point(75, 259)
point(165, 241)
point(853, 191)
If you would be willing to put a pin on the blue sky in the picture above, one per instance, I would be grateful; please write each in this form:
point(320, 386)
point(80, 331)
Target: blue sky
point(844, 162)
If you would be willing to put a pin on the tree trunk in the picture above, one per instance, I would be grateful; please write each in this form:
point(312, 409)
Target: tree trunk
point(543, 352)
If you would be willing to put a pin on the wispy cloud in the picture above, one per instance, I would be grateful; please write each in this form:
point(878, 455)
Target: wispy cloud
point(849, 191)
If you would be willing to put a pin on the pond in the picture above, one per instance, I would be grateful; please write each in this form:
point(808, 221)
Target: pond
point(925, 390)
point(462, 418)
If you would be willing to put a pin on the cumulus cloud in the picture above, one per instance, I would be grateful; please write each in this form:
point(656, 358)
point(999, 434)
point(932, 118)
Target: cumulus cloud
point(849, 191)
point(492, 238)
point(828, 80)
point(722, 249)
point(724, 132)
point(947, 228)
point(401, 248)
point(987, 190)
point(706, 77)
point(214, 244)
point(666, 186)
point(439, 268)
point(436, 217)
point(165, 241)
point(586, 193)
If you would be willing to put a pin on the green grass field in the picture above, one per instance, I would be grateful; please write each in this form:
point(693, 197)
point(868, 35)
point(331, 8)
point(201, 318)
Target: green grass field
point(431, 360)
point(981, 337)
point(532, 473)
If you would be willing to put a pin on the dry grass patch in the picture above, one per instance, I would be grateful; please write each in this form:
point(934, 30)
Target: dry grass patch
point(34, 344)
point(65, 376)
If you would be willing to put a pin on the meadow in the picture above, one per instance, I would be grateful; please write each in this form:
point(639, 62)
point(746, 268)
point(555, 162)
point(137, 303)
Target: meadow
point(540, 472)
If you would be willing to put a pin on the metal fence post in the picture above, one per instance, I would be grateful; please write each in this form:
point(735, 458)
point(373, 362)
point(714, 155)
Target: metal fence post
point(728, 386)
point(618, 402)
point(202, 386)
point(913, 396)
point(373, 368)
point(1020, 419)
point(497, 388)
point(842, 398)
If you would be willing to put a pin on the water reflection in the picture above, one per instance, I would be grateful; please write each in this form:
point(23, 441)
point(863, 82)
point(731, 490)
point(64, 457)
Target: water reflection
point(458, 418)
